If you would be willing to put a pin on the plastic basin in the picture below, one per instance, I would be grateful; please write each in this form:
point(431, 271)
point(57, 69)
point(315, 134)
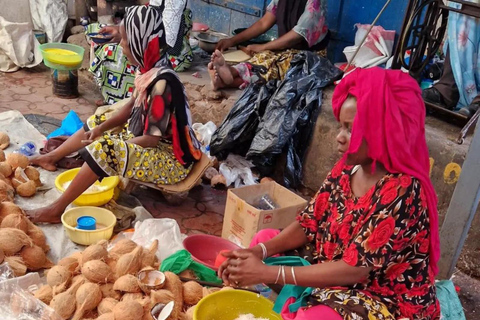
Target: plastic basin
point(98, 198)
point(229, 305)
point(62, 56)
point(103, 217)
point(205, 248)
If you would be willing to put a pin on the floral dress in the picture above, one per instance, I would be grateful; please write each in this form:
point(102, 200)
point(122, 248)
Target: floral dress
point(387, 230)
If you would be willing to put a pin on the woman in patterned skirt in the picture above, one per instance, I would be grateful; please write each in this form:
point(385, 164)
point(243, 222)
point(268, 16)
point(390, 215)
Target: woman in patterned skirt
point(154, 142)
point(371, 232)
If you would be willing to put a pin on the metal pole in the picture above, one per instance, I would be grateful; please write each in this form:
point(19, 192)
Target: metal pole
point(461, 210)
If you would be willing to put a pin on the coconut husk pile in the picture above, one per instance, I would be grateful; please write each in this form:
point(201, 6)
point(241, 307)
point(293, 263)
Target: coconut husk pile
point(103, 285)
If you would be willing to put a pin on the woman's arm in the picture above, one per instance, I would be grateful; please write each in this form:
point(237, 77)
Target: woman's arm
point(145, 141)
point(287, 41)
point(120, 118)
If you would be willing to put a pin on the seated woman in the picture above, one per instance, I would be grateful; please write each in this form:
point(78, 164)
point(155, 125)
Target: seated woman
point(371, 232)
point(156, 145)
point(301, 26)
point(112, 71)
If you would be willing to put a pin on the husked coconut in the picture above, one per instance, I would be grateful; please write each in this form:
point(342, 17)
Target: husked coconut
point(7, 208)
point(6, 169)
point(27, 189)
point(2, 256)
point(149, 257)
point(108, 292)
point(2, 155)
point(127, 283)
point(16, 221)
point(88, 297)
point(129, 263)
point(174, 285)
point(64, 303)
point(97, 271)
point(37, 236)
point(58, 277)
point(96, 251)
point(106, 305)
point(35, 258)
point(13, 240)
point(122, 247)
point(106, 316)
point(16, 160)
point(17, 265)
point(4, 140)
point(44, 294)
point(192, 293)
point(128, 310)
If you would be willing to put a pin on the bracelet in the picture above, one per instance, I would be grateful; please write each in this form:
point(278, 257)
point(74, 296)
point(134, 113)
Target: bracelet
point(278, 275)
point(264, 251)
point(283, 276)
point(293, 276)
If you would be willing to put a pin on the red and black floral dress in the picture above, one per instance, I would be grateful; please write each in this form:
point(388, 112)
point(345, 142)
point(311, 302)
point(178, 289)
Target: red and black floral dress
point(388, 230)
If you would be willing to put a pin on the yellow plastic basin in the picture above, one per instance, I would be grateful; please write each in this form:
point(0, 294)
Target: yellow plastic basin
point(230, 304)
point(103, 217)
point(58, 55)
point(98, 198)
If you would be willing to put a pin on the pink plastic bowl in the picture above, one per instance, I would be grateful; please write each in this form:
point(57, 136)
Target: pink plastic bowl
point(205, 248)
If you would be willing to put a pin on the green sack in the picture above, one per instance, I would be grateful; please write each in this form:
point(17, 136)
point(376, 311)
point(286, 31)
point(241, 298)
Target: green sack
point(182, 260)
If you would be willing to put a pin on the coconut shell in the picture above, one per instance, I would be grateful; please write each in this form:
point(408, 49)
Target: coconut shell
point(88, 297)
point(7, 208)
point(29, 173)
point(13, 240)
point(35, 258)
point(4, 140)
point(95, 252)
point(17, 265)
point(128, 310)
point(122, 247)
point(145, 303)
point(132, 296)
point(106, 316)
point(127, 283)
point(149, 257)
point(44, 294)
point(59, 277)
point(6, 186)
point(16, 160)
point(108, 292)
point(161, 296)
point(64, 303)
point(97, 271)
point(189, 274)
point(27, 189)
point(2, 256)
point(129, 263)
point(6, 169)
point(71, 264)
point(192, 293)
point(106, 305)
point(112, 263)
point(2, 156)
point(174, 285)
point(37, 236)
point(190, 312)
point(16, 221)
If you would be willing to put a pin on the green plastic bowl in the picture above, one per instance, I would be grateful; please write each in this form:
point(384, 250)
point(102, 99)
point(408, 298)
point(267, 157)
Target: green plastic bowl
point(230, 304)
point(53, 58)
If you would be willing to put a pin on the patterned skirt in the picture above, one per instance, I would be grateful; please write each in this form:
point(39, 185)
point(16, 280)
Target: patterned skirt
point(112, 155)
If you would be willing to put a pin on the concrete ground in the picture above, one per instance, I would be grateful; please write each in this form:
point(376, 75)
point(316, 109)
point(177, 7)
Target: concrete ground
point(30, 92)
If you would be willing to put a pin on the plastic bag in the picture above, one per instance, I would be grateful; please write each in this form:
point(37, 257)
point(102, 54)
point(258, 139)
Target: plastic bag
point(204, 134)
point(166, 231)
point(236, 170)
point(70, 125)
point(236, 132)
point(290, 116)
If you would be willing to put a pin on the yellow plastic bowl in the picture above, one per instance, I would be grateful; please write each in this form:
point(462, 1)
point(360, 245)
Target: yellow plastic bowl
point(230, 304)
point(96, 199)
point(87, 237)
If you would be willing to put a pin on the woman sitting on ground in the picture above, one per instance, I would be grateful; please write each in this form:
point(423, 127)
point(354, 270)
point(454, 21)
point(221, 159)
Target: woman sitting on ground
point(301, 26)
point(111, 69)
point(156, 143)
point(371, 232)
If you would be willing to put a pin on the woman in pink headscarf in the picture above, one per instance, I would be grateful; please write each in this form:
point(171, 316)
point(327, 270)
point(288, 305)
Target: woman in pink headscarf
point(371, 232)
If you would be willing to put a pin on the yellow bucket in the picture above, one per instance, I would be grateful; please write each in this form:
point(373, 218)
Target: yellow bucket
point(102, 216)
point(230, 304)
point(98, 198)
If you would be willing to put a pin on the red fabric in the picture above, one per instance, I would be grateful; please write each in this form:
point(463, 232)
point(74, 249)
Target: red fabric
point(177, 148)
point(158, 107)
point(151, 55)
point(391, 118)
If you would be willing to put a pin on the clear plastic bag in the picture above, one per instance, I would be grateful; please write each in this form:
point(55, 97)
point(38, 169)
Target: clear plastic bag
point(236, 170)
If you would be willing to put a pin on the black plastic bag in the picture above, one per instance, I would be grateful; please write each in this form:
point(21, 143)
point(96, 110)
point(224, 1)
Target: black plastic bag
point(290, 116)
point(236, 132)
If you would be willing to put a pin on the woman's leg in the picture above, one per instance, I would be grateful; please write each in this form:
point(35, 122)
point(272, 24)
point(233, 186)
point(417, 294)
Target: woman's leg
point(48, 161)
point(52, 213)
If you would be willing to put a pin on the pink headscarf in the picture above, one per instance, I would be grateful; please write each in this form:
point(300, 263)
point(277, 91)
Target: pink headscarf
point(391, 118)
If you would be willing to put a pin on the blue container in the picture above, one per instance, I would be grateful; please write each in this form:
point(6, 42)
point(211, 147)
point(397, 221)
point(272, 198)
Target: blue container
point(86, 223)
point(28, 149)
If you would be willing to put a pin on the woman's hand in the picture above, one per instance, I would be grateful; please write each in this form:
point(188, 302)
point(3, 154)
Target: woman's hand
point(224, 44)
point(113, 31)
point(243, 268)
point(255, 48)
point(92, 135)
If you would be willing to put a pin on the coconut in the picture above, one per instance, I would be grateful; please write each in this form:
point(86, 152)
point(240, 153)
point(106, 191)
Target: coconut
point(16, 221)
point(190, 312)
point(59, 278)
point(7, 208)
point(5, 196)
point(29, 173)
point(2, 155)
point(129, 263)
point(106, 316)
point(4, 140)
point(70, 263)
point(2, 256)
point(6, 169)
point(161, 296)
point(131, 297)
point(16, 183)
point(106, 305)
point(16, 160)
point(122, 247)
point(128, 310)
point(127, 283)
point(148, 257)
point(37, 236)
point(145, 303)
point(108, 292)
point(192, 293)
point(27, 189)
point(88, 297)
point(97, 271)
point(35, 258)
point(44, 294)
point(6, 186)
point(13, 240)
point(189, 274)
point(95, 252)
point(174, 285)
point(112, 263)
point(64, 303)
point(17, 265)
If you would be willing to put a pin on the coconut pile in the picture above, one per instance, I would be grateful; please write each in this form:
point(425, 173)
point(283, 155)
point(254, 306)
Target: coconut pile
point(103, 285)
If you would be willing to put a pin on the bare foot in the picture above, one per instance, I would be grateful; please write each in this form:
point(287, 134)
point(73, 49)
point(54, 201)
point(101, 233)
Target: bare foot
point(50, 214)
point(217, 82)
point(44, 161)
point(222, 68)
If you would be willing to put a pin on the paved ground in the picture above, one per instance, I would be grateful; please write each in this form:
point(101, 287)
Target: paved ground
point(30, 92)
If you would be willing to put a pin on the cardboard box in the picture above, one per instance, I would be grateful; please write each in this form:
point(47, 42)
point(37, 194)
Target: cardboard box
point(242, 220)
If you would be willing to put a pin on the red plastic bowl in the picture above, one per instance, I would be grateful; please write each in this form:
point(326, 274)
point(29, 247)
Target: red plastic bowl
point(205, 248)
